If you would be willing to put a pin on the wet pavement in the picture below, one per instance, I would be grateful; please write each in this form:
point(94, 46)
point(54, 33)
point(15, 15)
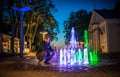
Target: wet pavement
point(29, 67)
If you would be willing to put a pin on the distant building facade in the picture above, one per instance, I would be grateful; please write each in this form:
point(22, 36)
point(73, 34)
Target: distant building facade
point(104, 31)
point(5, 44)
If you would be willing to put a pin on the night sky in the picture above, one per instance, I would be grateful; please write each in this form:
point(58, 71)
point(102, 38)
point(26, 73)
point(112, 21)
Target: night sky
point(66, 6)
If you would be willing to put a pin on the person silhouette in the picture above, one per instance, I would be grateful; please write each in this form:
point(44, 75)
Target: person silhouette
point(46, 51)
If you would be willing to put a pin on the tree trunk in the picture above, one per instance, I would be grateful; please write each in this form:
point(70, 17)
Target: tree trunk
point(34, 33)
point(12, 38)
point(30, 44)
point(1, 45)
point(28, 27)
point(13, 32)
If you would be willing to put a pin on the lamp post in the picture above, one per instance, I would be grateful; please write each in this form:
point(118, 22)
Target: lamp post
point(43, 34)
point(22, 10)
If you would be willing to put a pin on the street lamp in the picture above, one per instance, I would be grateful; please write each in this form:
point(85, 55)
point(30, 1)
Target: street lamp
point(43, 34)
point(22, 10)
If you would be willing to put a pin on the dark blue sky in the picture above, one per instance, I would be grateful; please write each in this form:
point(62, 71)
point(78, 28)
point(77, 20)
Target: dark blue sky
point(66, 6)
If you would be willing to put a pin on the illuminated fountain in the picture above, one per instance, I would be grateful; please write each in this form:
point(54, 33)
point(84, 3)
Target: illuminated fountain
point(75, 55)
point(73, 39)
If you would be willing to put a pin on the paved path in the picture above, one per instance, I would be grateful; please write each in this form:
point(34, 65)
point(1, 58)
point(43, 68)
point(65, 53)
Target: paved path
point(27, 67)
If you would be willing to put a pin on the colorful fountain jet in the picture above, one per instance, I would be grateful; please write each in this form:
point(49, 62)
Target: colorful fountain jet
point(86, 47)
point(73, 39)
point(68, 55)
point(73, 55)
point(73, 47)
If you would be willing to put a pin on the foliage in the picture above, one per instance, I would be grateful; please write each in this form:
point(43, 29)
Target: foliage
point(40, 19)
point(80, 21)
point(117, 6)
point(5, 22)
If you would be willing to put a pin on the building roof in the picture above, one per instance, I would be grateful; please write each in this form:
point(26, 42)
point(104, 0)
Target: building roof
point(108, 14)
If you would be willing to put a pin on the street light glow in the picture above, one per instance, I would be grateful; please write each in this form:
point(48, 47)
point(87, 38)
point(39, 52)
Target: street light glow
point(43, 33)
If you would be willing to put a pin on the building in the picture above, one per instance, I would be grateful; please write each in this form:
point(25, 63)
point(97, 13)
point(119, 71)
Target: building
point(5, 44)
point(104, 31)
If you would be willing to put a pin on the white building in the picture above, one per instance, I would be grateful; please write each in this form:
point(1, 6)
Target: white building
point(104, 31)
